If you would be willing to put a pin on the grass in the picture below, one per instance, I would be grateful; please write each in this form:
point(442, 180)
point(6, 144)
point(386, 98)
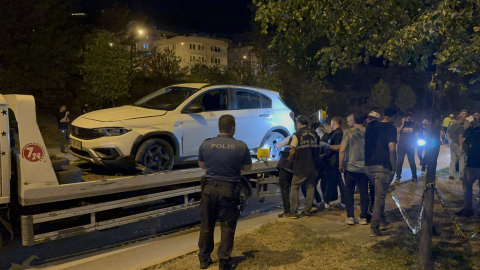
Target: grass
point(289, 246)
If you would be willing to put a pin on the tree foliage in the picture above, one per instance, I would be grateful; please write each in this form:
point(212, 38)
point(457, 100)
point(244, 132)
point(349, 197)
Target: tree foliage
point(106, 68)
point(312, 96)
point(381, 95)
point(406, 98)
point(417, 33)
point(163, 68)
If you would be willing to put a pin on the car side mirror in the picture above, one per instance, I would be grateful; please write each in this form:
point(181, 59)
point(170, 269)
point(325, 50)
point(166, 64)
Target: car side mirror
point(194, 108)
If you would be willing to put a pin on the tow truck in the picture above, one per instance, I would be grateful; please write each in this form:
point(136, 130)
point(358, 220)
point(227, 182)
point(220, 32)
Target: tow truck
point(37, 205)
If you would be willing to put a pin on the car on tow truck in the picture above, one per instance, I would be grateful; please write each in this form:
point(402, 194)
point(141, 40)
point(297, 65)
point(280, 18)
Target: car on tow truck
point(167, 126)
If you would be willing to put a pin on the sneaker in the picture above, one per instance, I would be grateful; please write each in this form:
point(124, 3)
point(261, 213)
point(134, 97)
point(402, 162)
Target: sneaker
point(320, 206)
point(350, 221)
point(397, 180)
point(290, 215)
point(282, 214)
point(327, 205)
point(363, 221)
point(464, 213)
point(374, 232)
point(451, 178)
point(340, 205)
point(205, 264)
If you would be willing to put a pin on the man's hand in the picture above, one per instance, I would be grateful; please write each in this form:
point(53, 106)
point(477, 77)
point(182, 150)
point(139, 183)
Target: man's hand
point(341, 168)
point(324, 145)
point(67, 113)
point(403, 121)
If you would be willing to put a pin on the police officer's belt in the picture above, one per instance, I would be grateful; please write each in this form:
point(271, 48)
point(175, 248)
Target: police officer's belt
point(221, 184)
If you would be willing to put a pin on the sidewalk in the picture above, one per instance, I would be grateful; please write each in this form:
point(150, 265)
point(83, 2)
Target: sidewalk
point(164, 248)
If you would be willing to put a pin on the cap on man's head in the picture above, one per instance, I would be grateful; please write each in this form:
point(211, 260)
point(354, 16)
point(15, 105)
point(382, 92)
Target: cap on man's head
point(451, 115)
point(374, 114)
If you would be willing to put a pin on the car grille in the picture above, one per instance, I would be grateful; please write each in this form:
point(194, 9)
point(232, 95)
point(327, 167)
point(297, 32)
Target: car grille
point(85, 133)
point(80, 152)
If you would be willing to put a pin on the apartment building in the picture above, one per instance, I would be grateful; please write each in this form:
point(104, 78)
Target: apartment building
point(243, 55)
point(193, 50)
point(146, 36)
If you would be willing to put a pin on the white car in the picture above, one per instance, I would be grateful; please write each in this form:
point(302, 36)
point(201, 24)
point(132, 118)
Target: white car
point(168, 126)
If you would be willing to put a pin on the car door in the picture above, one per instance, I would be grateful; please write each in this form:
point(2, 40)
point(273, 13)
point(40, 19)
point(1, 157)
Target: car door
point(252, 121)
point(198, 127)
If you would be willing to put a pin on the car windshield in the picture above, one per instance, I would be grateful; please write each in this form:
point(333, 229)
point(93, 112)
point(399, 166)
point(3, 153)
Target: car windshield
point(166, 99)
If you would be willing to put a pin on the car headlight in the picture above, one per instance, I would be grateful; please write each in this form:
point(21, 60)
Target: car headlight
point(112, 131)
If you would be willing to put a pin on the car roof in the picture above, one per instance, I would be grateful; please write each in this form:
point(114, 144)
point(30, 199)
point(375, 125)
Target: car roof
point(203, 85)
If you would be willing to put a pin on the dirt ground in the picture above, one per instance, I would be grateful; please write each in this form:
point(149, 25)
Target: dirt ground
point(289, 245)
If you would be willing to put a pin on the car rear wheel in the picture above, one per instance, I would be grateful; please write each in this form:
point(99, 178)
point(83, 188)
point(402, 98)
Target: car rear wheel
point(271, 144)
point(156, 155)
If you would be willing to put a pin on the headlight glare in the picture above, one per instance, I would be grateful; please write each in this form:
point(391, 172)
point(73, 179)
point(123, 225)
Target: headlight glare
point(112, 131)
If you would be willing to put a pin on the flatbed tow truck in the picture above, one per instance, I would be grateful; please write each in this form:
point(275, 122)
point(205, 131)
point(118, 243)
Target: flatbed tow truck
point(38, 207)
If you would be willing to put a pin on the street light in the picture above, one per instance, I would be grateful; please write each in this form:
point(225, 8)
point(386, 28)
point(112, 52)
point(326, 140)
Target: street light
point(111, 44)
point(140, 32)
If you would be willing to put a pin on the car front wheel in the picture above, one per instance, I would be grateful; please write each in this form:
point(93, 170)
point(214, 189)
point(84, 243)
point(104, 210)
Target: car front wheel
point(156, 155)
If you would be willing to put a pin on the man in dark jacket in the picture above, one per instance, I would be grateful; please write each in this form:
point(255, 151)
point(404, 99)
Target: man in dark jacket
point(331, 162)
point(306, 159)
point(285, 175)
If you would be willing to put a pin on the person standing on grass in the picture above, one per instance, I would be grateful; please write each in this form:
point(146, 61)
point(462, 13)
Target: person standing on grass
point(472, 169)
point(447, 122)
point(333, 176)
point(455, 136)
point(409, 131)
point(352, 165)
point(380, 161)
point(64, 131)
point(305, 156)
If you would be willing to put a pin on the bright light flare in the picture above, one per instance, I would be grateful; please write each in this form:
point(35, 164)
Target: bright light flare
point(421, 142)
point(140, 32)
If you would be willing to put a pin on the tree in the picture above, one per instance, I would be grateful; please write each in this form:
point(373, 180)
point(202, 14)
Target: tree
point(163, 68)
point(380, 95)
point(440, 35)
point(106, 68)
point(406, 98)
point(312, 96)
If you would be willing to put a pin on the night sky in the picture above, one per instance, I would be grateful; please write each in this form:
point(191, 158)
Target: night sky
point(221, 17)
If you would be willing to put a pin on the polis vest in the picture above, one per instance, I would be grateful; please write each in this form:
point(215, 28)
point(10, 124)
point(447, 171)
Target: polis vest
point(307, 155)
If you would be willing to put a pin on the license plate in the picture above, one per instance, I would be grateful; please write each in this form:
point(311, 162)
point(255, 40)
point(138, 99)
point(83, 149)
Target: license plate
point(76, 144)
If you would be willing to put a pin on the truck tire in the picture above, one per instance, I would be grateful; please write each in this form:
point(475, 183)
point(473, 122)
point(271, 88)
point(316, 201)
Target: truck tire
point(59, 161)
point(156, 155)
point(69, 174)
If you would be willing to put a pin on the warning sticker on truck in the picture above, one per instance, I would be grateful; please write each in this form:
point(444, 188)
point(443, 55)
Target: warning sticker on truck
point(33, 152)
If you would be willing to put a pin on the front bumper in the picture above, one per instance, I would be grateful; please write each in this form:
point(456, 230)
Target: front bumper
point(107, 151)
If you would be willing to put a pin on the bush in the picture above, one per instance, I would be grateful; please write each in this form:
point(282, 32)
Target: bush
point(406, 98)
point(381, 95)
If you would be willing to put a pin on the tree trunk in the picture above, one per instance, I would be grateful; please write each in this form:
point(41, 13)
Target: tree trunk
point(432, 152)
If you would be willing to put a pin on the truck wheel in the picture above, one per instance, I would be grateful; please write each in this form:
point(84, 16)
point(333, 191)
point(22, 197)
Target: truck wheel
point(156, 155)
point(59, 161)
point(271, 144)
point(69, 174)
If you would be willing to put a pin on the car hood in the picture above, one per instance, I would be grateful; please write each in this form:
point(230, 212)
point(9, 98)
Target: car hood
point(122, 113)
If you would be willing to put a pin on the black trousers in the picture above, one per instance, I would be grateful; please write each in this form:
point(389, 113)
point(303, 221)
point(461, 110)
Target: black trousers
point(217, 204)
point(285, 182)
point(360, 179)
point(421, 156)
point(333, 179)
point(410, 152)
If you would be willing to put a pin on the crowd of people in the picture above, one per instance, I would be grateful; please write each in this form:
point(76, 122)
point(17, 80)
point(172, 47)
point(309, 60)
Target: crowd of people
point(369, 154)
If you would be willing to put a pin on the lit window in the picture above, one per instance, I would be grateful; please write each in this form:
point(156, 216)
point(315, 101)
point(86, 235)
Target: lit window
point(145, 46)
point(146, 37)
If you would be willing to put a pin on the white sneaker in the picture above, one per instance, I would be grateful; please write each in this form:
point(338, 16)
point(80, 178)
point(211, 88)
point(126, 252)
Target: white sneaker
point(350, 221)
point(363, 221)
point(327, 205)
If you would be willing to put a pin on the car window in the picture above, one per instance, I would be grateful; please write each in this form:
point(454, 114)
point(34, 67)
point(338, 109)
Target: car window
point(166, 99)
point(248, 100)
point(266, 102)
point(215, 100)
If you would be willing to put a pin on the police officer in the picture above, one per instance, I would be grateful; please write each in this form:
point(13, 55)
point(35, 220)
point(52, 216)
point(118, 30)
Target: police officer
point(285, 174)
point(306, 162)
point(223, 158)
